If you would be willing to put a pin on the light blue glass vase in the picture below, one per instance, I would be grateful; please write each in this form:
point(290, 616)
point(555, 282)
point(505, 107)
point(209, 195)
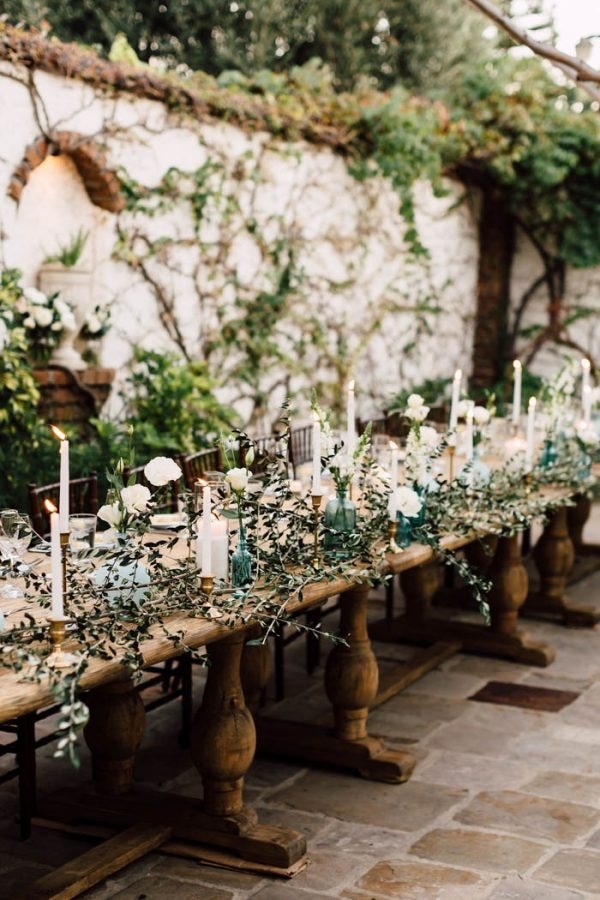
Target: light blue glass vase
point(339, 519)
point(241, 562)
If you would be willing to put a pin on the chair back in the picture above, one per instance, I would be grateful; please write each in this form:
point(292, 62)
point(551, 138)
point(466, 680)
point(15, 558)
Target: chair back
point(165, 498)
point(196, 465)
point(83, 498)
point(301, 440)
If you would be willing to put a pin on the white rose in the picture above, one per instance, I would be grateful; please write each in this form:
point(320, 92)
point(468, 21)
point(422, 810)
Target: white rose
point(417, 413)
point(68, 320)
point(135, 498)
point(237, 479)
point(3, 334)
point(110, 513)
point(428, 437)
point(32, 295)
point(343, 463)
point(481, 415)
point(587, 434)
point(93, 323)
point(42, 315)
point(414, 401)
point(56, 326)
point(161, 470)
point(409, 502)
point(463, 407)
point(29, 322)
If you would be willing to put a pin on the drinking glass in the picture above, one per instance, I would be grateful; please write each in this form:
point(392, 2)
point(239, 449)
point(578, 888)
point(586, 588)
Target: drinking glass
point(82, 531)
point(15, 537)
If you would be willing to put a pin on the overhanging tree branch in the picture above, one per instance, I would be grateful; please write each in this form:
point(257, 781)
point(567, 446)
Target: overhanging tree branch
point(573, 67)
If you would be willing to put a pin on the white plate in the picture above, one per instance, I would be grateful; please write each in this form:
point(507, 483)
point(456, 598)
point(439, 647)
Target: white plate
point(167, 521)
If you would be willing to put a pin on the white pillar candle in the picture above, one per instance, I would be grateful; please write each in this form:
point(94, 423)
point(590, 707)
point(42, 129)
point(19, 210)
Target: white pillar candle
point(57, 610)
point(530, 434)
point(218, 549)
point(316, 449)
point(469, 435)
point(585, 379)
point(517, 375)
point(206, 532)
point(455, 399)
point(351, 419)
point(393, 504)
point(587, 403)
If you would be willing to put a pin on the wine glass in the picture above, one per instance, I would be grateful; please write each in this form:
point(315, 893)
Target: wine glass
point(15, 537)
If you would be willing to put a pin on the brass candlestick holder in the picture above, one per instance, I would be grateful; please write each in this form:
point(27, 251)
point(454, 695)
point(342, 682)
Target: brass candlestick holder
point(315, 500)
point(451, 454)
point(59, 658)
point(207, 584)
point(392, 529)
point(64, 552)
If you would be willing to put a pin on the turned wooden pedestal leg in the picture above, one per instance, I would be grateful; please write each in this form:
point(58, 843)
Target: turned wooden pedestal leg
point(351, 681)
point(587, 556)
point(500, 638)
point(114, 733)
point(554, 556)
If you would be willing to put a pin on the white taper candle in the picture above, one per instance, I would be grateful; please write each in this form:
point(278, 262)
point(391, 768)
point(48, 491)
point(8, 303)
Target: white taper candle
point(393, 504)
point(316, 449)
point(517, 376)
point(57, 610)
point(456, 381)
point(530, 434)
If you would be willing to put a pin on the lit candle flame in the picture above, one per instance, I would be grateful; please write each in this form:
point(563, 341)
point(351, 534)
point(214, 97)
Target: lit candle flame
point(58, 433)
point(49, 506)
point(517, 364)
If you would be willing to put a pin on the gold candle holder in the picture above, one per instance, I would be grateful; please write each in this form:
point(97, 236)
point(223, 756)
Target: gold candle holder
point(315, 500)
point(59, 658)
point(527, 479)
point(392, 530)
point(64, 552)
point(451, 454)
point(207, 584)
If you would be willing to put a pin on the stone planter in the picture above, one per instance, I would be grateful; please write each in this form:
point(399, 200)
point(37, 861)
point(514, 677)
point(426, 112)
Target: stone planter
point(74, 285)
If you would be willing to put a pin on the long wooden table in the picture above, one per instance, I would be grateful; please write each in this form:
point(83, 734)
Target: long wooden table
point(224, 736)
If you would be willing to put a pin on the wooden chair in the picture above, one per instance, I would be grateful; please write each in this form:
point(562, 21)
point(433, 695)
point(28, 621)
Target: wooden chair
point(300, 447)
point(196, 465)
point(83, 498)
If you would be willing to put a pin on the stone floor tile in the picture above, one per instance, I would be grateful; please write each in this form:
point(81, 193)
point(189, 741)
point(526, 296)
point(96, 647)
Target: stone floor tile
point(350, 837)
point(328, 871)
point(151, 888)
point(488, 669)
point(536, 817)
point(407, 880)
point(566, 786)
point(405, 807)
point(472, 771)
point(594, 842)
point(457, 685)
point(552, 753)
point(283, 890)
point(579, 869)
point(479, 850)
point(413, 716)
point(462, 737)
point(15, 879)
point(547, 679)
point(191, 871)
point(515, 888)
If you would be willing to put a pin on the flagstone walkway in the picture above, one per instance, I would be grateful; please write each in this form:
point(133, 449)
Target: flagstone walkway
point(503, 805)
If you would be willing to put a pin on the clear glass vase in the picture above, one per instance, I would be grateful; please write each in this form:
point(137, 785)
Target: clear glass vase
point(339, 519)
point(241, 562)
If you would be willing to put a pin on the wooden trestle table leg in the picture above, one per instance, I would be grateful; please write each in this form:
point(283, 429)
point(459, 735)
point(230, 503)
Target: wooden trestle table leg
point(223, 742)
point(587, 555)
point(501, 638)
point(554, 555)
point(351, 681)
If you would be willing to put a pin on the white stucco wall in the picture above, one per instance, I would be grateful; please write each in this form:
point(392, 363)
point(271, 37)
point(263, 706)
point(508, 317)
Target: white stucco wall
point(358, 278)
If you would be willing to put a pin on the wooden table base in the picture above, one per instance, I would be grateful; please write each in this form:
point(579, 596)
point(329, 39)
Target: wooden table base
point(501, 638)
point(223, 744)
point(554, 556)
point(351, 684)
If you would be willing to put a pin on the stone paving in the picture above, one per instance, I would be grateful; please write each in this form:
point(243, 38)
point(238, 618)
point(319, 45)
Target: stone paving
point(504, 803)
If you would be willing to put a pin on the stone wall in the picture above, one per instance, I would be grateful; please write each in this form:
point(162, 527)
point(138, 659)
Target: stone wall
point(184, 275)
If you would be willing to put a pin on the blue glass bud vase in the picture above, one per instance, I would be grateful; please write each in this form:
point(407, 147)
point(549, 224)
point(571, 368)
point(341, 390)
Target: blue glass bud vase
point(241, 562)
point(584, 466)
point(339, 519)
point(548, 455)
point(404, 529)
